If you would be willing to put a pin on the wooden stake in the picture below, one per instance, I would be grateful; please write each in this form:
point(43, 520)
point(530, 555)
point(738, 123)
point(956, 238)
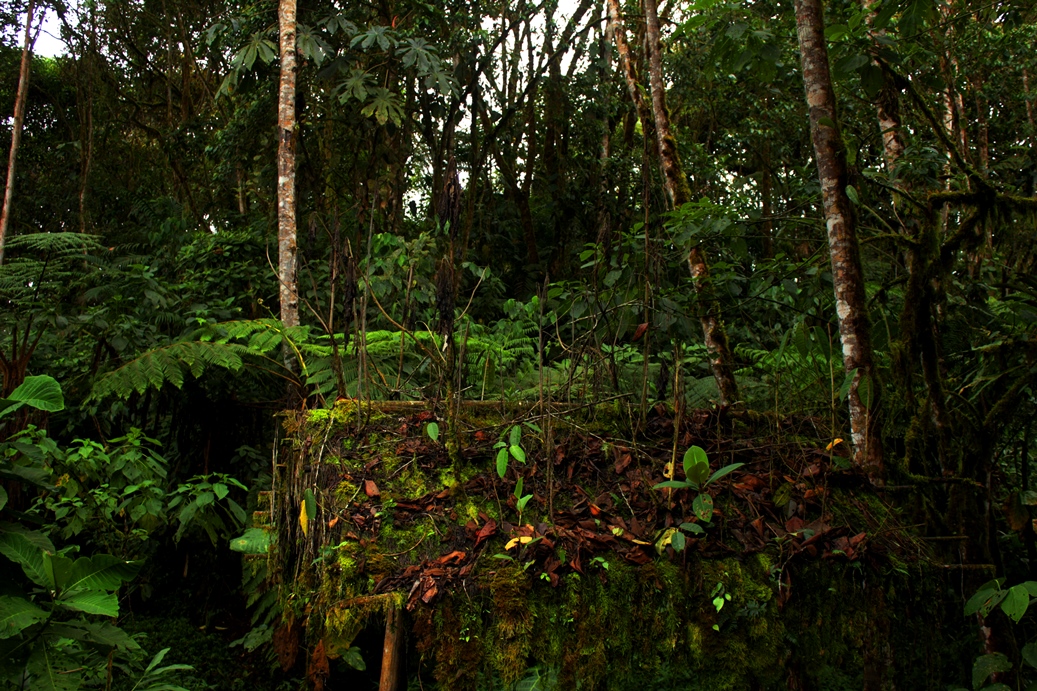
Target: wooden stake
point(391, 650)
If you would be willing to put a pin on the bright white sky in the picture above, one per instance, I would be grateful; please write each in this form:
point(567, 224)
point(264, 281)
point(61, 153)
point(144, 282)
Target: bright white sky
point(49, 44)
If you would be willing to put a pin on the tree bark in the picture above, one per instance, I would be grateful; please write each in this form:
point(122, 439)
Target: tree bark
point(847, 275)
point(19, 120)
point(286, 222)
point(679, 193)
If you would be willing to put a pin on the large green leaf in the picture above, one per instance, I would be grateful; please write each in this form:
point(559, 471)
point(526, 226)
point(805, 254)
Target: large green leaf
point(21, 550)
point(100, 572)
point(1016, 602)
point(34, 536)
point(18, 614)
point(3, 497)
point(100, 633)
point(91, 602)
point(40, 392)
point(51, 671)
point(254, 541)
point(986, 665)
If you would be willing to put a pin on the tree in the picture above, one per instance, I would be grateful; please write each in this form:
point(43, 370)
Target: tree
point(678, 192)
point(28, 41)
point(287, 244)
point(847, 274)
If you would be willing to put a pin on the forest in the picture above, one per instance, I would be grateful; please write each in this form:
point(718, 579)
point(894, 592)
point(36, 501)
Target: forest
point(543, 344)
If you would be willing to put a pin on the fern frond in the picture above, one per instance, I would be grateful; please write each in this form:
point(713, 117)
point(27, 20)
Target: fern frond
point(168, 364)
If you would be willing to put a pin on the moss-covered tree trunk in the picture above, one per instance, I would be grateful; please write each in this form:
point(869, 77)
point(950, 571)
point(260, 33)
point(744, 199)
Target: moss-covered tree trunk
point(678, 192)
point(847, 274)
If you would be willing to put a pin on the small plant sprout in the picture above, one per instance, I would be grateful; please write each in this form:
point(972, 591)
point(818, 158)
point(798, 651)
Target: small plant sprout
point(697, 477)
point(432, 430)
point(511, 448)
point(520, 500)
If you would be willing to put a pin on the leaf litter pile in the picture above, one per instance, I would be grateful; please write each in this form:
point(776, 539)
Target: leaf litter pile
point(586, 498)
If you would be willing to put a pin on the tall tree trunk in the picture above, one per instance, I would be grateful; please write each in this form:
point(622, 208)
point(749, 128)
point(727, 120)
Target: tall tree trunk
point(847, 275)
point(87, 61)
point(679, 193)
point(19, 120)
point(286, 223)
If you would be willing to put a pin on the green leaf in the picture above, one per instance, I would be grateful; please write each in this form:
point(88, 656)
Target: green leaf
point(521, 503)
point(502, 462)
point(693, 528)
point(46, 676)
point(674, 484)
point(221, 490)
point(41, 392)
point(1016, 602)
point(19, 549)
point(1029, 653)
point(703, 507)
point(515, 437)
point(254, 541)
point(91, 602)
point(354, 659)
point(433, 431)
point(311, 505)
point(696, 465)
point(851, 192)
point(18, 614)
point(986, 665)
point(518, 488)
point(726, 470)
point(864, 391)
point(3, 498)
point(517, 453)
point(844, 389)
point(100, 572)
point(985, 599)
point(677, 541)
point(100, 632)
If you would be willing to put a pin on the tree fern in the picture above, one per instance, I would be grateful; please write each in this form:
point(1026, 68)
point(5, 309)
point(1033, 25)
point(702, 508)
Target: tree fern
point(168, 364)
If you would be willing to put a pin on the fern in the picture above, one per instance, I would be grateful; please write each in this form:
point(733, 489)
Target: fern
point(168, 364)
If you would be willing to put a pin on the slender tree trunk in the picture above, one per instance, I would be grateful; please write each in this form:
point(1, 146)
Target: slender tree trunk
point(286, 223)
point(679, 193)
point(1029, 108)
point(626, 63)
point(86, 136)
point(847, 275)
point(19, 121)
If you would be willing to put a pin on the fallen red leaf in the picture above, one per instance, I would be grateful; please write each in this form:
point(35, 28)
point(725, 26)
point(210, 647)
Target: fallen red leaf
point(371, 489)
point(486, 532)
point(427, 596)
point(455, 557)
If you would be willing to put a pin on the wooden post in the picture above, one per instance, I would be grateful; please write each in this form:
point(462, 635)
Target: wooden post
point(389, 680)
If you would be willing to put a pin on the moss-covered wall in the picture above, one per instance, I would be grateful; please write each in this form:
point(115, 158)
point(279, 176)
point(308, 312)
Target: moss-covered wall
point(393, 522)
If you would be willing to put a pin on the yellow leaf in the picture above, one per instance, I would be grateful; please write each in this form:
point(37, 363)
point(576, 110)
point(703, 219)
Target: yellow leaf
point(518, 541)
point(304, 520)
point(835, 442)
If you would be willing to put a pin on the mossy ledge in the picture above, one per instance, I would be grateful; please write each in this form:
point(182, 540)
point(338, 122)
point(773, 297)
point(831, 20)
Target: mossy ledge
point(803, 578)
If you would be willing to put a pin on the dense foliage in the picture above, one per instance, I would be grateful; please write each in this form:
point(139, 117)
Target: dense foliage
point(482, 214)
